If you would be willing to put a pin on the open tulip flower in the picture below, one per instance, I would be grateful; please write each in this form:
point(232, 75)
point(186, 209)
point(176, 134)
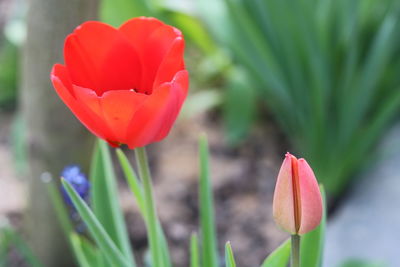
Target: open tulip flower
point(126, 85)
point(297, 205)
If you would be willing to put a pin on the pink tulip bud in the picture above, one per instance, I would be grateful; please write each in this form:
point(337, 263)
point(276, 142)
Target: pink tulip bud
point(297, 205)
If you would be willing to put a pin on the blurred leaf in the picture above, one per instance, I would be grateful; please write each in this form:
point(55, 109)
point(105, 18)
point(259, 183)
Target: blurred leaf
point(213, 13)
point(279, 257)
point(87, 254)
point(361, 263)
point(103, 240)
point(59, 206)
point(207, 221)
point(8, 74)
point(82, 258)
point(11, 239)
point(201, 101)
point(194, 251)
point(115, 12)
point(192, 29)
point(104, 198)
point(312, 243)
point(239, 107)
point(323, 69)
point(229, 258)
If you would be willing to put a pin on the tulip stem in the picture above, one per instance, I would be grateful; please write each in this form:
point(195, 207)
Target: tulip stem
point(150, 209)
point(295, 255)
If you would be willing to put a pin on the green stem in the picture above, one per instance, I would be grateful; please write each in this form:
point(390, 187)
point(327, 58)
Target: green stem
point(151, 215)
point(295, 255)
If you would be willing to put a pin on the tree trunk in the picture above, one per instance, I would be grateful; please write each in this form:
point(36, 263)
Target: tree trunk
point(54, 136)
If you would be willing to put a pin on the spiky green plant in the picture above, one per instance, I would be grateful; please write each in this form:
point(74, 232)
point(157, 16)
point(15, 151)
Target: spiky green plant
point(327, 69)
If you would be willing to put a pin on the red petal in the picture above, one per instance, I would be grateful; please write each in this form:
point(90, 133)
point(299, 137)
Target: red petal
point(311, 200)
point(181, 81)
point(138, 30)
point(171, 63)
point(116, 107)
point(64, 88)
point(100, 57)
point(119, 108)
point(157, 47)
point(154, 119)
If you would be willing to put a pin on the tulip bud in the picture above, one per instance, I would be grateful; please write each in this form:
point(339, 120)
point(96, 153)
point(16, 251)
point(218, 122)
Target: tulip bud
point(297, 205)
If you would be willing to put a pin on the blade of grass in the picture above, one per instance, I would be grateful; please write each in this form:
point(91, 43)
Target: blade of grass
point(194, 251)
point(207, 221)
point(103, 240)
point(229, 258)
point(78, 252)
point(105, 199)
point(58, 204)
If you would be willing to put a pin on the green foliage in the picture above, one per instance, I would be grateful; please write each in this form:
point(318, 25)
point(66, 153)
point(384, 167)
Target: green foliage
point(239, 105)
point(312, 243)
point(229, 257)
point(149, 211)
point(327, 69)
point(137, 190)
point(10, 239)
point(8, 74)
point(361, 263)
point(194, 251)
point(279, 257)
point(207, 221)
point(115, 12)
point(104, 198)
point(87, 255)
point(103, 240)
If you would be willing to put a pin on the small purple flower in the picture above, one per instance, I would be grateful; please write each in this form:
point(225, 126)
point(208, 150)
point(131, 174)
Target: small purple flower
point(73, 175)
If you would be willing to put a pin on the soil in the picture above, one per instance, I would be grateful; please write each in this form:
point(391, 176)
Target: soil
point(243, 182)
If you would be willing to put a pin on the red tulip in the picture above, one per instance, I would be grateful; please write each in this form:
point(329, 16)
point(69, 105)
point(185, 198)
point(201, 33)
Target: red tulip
point(297, 205)
point(126, 85)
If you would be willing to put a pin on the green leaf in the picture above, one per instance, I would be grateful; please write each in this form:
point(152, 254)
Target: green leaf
point(80, 255)
point(207, 222)
point(362, 263)
point(192, 29)
point(194, 251)
point(86, 253)
point(229, 258)
point(239, 93)
point(59, 207)
point(105, 199)
point(312, 243)
point(279, 257)
point(11, 238)
point(103, 240)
